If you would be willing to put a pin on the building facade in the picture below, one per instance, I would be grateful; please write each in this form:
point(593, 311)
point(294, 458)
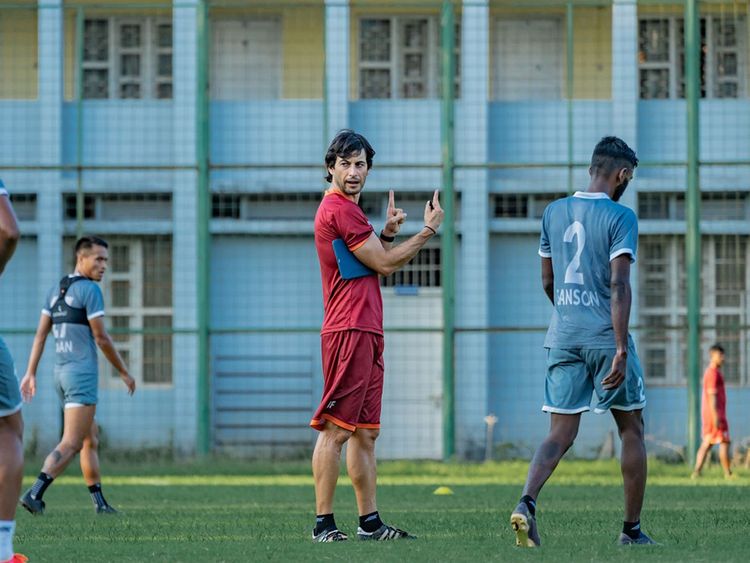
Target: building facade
point(100, 106)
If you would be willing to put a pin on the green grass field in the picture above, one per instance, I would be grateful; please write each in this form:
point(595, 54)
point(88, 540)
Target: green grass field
point(232, 511)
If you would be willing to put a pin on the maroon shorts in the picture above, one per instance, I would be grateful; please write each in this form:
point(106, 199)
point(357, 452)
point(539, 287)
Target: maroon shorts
point(352, 380)
point(716, 435)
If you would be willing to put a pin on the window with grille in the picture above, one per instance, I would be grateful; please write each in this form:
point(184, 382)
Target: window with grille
point(371, 203)
point(725, 311)
point(120, 207)
point(661, 57)
point(127, 58)
point(527, 59)
point(24, 205)
point(422, 271)
point(70, 206)
point(225, 206)
point(399, 57)
point(246, 58)
point(521, 205)
point(138, 300)
point(715, 206)
point(277, 206)
point(375, 204)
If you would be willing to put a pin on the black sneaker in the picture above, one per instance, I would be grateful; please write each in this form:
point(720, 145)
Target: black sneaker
point(33, 505)
point(385, 533)
point(106, 509)
point(642, 539)
point(524, 526)
point(329, 535)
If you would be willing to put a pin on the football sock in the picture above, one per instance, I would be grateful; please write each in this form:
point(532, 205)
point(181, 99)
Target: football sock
point(530, 503)
point(41, 484)
point(324, 522)
point(632, 529)
point(370, 522)
point(7, 527)
point(96, 495)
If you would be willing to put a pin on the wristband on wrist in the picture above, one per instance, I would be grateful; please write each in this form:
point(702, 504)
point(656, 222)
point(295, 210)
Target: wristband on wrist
point(386, 238)
point(434, 232)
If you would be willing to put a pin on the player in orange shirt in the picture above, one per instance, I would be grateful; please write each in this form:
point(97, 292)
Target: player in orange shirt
point(714, 414)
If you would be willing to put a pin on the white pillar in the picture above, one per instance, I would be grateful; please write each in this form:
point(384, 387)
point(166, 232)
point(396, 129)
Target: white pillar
point(472, 298)
point(50, 62)
point(49, 194)
point(337, 66)
point(184, 237)
point(49, 204)
point(625, 75)
point(625, 94)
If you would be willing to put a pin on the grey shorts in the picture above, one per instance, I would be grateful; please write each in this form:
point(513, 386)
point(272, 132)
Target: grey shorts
point(10, 393)
point(573, 374)
point(77, 389)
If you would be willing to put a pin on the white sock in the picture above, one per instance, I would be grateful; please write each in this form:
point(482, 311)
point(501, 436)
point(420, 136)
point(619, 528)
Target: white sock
point(7, 528)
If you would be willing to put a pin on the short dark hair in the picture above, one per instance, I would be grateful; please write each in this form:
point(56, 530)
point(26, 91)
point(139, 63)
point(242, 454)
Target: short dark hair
point(88, 242)
point(716, 348)
point(612, 153)
point(344, 144)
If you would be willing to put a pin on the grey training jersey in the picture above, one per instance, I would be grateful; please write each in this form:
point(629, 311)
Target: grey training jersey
point(582, 234)
point(74, 343)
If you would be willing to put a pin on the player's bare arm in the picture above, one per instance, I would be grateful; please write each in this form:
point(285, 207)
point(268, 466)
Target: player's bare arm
point(395, 217)
point(9, 232)
point(548, 279)
point(28, 383)
point(385, 261)
point(620, 306)
point(105, 344)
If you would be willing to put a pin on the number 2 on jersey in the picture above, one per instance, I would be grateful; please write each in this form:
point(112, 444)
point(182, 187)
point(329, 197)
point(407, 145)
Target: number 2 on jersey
point(576, 229)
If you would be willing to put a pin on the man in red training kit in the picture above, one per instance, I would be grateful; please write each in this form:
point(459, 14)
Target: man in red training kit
point(352, 333)
point(714, 414)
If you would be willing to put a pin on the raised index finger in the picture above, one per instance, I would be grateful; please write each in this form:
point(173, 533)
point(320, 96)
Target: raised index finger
point(391, 200)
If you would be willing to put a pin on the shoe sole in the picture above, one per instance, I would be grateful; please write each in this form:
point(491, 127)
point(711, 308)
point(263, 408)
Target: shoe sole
point(520, 525)
point(30, 509)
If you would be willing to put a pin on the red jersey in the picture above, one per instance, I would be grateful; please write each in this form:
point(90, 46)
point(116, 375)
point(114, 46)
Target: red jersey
point(713, 383)
point(348, 304)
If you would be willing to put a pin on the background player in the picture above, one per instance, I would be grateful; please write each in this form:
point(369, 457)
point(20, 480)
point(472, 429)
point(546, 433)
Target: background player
point(587, 245)
point(11, 423)
point(74, 311)
point(352, 335)
point(714, 414)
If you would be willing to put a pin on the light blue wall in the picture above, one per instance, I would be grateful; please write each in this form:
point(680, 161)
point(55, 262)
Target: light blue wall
point(537, 131)
point(121, 132)
point(147, 419)
point(269, 282)
point(662, 127)
point(401, 131)
point(274, 282)
point(265, 282)
point(19, 142)
point(517, 359)
point(263, 132)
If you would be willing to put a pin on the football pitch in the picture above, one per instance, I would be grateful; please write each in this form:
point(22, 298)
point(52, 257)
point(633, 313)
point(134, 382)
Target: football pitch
point(233, 511)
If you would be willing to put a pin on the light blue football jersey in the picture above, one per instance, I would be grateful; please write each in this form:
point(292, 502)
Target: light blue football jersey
point(582, 234)
point(75, 346)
